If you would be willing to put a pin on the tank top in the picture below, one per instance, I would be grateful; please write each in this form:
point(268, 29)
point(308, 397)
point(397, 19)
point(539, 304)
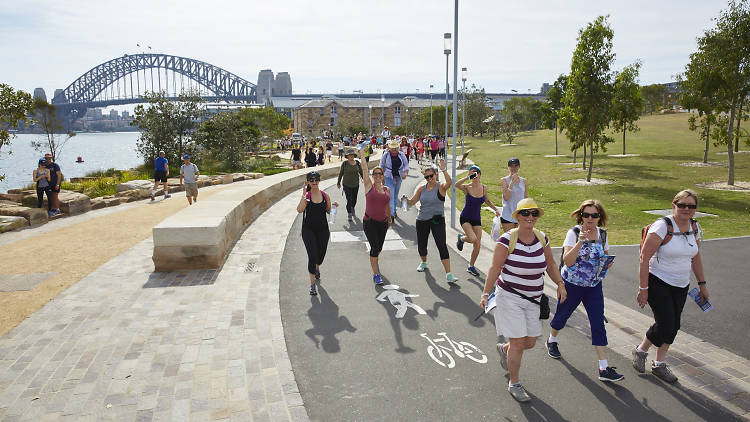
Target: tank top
point(432, 203)
point(516, 194)
point(314, 216)
point(473, 207)
point(375, 203)
point(43, 182)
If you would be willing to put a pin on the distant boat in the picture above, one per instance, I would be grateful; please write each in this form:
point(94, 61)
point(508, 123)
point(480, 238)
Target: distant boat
point(79, 160)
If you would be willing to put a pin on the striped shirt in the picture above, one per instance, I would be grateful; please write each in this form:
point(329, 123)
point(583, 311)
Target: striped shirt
point(524, 268)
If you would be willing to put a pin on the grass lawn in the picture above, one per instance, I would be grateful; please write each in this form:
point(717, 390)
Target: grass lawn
point(647, 182)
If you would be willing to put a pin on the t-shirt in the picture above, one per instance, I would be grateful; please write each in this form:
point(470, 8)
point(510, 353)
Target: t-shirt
point(53, 169)
point(396, 166)
point(329, 146)
point(583, 271)
point(672, 262)
point(188, 171)
point(524, 268)
point(296, 153)
point(160, 164)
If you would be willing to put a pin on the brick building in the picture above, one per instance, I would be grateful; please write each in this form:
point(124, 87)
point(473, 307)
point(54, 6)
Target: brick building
point(315, 116)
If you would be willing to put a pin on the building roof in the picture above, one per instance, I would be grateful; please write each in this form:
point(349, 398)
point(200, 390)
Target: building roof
point(289, 102)
point(363, 102)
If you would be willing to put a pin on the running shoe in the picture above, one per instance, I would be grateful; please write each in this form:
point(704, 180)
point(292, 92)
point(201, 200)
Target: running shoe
point(663, 373)
point(451, 278)
point(610, 375)
point(552, 350)
point(639, 360)
point(349, 218)
point(377, 279)
point(472, 270)
point(313, 291)
point(503, 355)
point(518, 392)
point(152, 196)
point(422, 266)
point(460, 242)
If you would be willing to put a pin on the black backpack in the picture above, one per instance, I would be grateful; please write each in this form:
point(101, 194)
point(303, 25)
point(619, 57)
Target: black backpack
point(577, 231)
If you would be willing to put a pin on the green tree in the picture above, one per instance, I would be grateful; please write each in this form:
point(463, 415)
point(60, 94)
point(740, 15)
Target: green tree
point(55, 138)
point(653, 96)
point(551, 108)
point(226, 136)
point(270, 123)
point(698, 86)
point(188, 111)
point(476, 110)
point(15, 107)
point(589, 93)
point(627, 101)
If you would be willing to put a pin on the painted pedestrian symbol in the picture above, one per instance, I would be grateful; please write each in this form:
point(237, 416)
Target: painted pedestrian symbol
point(399, 300)
point(440, 350)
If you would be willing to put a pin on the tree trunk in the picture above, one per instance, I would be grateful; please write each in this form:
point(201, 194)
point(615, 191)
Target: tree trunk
point(708, 138)
point(737, 132)
point(584, 155)
point(555, 137)
point(623, 138)
point(591, 161)
point(730, 150)
point(575, 152)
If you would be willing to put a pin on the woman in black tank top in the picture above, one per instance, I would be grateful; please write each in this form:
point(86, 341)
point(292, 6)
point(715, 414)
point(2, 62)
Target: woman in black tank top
point(315, 204)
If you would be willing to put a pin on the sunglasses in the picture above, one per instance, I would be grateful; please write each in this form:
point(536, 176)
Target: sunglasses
point(314, 180)
point(681, 205)
point(526, 213)
point(592, 215)
point(429, 176)
point(377, 173)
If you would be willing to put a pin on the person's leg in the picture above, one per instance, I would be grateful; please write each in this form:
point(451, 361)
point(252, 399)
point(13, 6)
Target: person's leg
point(394, 196)
point(166, 188)
point(662, 307)
point(56, 200)
point(39, 197)
point(469, 235)
point(508, 226)
point(391, 184)
point(311, 246)
point(515, 349)
point(565, 309)
point(477, 244)
point(678, 297)
point(593, 302)
point(355, 192)
point(48, 192)
point(349, 200)
point(423, 231)
point(438, 235)
point(323, 236)
point(371, 232)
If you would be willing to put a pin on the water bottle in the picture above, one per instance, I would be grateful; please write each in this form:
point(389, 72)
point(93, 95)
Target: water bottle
point(332, 218)
point(705, 306)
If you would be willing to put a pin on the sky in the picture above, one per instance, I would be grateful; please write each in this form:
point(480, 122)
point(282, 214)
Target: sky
point(332, 45)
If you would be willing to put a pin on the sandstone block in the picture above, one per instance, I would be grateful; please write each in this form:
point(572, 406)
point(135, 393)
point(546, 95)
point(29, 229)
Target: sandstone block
point(134, 184)
point(113, 202)
point(238, 177)
point(227, 179)
point(98, 203)
point(32, 215)
point(10, 222)
point(71, 203)
point(14, 197)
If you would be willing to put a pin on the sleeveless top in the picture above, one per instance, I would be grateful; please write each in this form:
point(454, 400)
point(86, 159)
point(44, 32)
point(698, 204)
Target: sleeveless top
point(432, 203)
point(375, 203)
point(314, 216)
point(516, 194)
point(524, 268)
point(473, 207)
point(43, 182)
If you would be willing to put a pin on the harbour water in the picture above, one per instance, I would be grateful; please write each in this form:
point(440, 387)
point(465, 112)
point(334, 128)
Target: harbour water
point(100, 151)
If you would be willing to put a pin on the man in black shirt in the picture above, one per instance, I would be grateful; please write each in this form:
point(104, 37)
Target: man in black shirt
point(55, 181)
point(296, 157)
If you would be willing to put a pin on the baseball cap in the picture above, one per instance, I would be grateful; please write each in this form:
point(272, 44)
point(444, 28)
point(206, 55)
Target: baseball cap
point(515, 161)
point(42, 161)
point(47, 155)
point(185, 157)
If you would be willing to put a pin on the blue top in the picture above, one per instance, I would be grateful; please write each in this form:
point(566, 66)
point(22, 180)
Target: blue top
point(160, 163)
point(584, 272)
point(473, 207)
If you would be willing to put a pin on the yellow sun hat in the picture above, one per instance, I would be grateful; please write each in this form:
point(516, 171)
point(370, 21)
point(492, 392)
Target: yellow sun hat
point(527, 204)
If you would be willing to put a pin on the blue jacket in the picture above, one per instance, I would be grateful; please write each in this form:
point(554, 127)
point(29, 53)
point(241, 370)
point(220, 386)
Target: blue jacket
point(385, 162)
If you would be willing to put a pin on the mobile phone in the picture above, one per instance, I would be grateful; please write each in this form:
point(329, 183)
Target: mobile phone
point(472, 176)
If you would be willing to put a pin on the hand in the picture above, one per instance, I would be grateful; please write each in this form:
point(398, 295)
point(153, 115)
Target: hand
point(180, 184)
point(335, 204)
point(304, 191)
point(515, 179)
point(703, 292)
point(403, 177)
point(338, 185)
point(642, 298)
point(583, 235)
point(497, 213)
point(443, 167)
point(562, 294)
point(360, 153)
point(483, 302)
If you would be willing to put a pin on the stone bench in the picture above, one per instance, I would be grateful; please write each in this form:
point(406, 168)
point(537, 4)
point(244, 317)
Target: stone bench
point(462, 161)
point(200, 236)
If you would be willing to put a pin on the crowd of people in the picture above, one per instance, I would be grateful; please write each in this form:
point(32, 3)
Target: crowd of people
point(522, 254)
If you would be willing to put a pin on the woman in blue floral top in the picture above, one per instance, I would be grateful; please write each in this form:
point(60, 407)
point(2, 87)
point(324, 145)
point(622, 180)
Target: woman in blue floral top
point(585, 248)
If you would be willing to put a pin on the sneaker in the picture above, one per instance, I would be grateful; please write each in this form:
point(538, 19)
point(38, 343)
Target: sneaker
point(472, 270)
point(639, 360)
point(503, 355)
point(610, 375)
point(313, 291)
point(152, 196)
point(451, 278)
point(167, 196)
point(377, 279)
point(460, 242)
point(51, 213)
point(317, 274)
point(518, 392)
point(552, 350)
point(663, 373)
point(422, 266)
point(349, 218)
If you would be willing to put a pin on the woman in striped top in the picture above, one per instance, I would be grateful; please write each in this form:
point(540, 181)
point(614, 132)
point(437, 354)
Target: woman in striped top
point(516, 274)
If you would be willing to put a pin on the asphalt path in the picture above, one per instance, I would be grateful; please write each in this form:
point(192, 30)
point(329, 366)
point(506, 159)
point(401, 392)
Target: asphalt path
point(354, 359)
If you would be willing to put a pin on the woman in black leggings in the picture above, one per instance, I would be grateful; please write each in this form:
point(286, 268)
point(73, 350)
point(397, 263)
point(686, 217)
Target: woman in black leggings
point(314, 204)
point(377, 216)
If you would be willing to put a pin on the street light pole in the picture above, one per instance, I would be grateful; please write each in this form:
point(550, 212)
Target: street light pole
point(447, 51)
point(369, 119)
point(455, 111)
point(431, 109)
point(463, 110)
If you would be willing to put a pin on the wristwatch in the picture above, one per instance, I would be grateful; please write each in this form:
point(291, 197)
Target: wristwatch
point(700, 283)
point(485, 295)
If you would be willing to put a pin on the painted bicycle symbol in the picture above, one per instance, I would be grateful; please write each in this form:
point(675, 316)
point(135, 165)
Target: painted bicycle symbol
point(440, 350)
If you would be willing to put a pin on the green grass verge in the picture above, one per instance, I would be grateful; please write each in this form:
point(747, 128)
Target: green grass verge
point(647, 182)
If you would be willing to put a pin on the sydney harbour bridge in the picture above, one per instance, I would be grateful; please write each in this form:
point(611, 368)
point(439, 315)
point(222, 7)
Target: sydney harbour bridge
point(124, 80)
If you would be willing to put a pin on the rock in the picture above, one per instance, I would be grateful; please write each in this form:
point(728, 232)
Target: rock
point(113, 202)
point(11, 222)
point(254, 175)
point(15, 191)
point(71, 203)
point(134, 184)
point(98, 203)
point(238, 177)
point(227, 179)
point(217, 182)
point(32, 215)
point(128, 194)
point(203, 181)
point(14, 197)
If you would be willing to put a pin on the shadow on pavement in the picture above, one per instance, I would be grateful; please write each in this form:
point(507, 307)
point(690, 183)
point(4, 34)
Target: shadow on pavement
point(408, 320)
point(326, 322)
point(454, 299)
point(696, 402)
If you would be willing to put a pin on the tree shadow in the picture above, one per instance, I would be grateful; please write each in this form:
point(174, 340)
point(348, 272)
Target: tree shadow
point(452, 298)
point(326, 322)
point(409, 320)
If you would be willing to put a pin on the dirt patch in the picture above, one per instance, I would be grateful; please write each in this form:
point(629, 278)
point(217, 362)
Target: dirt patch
point(568, 164)
point(581, 169)
point(583, 182)
point(624, 155)
point(736, 152)
point(738, 186)
point(555, 156)
point(701, 164)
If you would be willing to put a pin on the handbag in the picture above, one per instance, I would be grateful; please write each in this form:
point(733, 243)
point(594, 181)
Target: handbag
point(543, 302)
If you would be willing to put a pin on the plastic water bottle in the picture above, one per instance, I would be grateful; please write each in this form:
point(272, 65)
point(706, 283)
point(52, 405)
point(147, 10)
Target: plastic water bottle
point(404, 204)
point(332, 218)
point(705, 306)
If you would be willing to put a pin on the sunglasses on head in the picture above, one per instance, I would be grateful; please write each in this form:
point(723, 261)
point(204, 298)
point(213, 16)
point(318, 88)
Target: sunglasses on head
point(429, 176)
point(592, 215)
point(526, 213)
point(681, 205)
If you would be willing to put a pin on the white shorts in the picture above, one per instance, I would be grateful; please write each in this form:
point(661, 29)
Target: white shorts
point(329, 152)
point(516, 317)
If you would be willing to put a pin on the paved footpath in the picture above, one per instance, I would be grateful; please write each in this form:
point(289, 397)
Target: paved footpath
point(125, 343)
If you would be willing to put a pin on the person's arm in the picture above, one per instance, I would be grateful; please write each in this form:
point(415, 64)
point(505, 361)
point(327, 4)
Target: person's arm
point(404, 166)
point(448, 181)
point(697, 266)
point(460, 183)
point(181, 174)
point(415, 197)
point(525, 188)
point(197, 172)
point(36, 179)
point(571, 252)
point(554, 273)
point(303, 201)
point(652, 243)
point(59, 177)
point(341, 174)
point(498, 260)
point(489, 202)
point(366, 180)
point(505, 188)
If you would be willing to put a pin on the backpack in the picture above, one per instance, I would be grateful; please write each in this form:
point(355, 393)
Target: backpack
point(514, 239)
point(694, 230)
point(577, 231)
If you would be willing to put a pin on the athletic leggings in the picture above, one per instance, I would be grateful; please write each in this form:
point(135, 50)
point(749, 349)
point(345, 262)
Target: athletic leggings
point(351, 198)
point(437, 226)
point(375, 232)
point(40, 197)
point(316, 244)
point(666, 302)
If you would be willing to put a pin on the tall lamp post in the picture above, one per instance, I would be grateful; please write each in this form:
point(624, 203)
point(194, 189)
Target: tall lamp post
point(431, 109)
point(447, 51)
point(369, 119)
point(455, 111)
point(463, 109)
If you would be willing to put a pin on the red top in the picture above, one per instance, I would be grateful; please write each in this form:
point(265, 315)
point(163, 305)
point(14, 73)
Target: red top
point(375, 203)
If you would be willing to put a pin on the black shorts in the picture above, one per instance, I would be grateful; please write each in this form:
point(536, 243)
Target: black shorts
point(504, 221)
point(463, 220)
point(160, 176)
point(54, 188)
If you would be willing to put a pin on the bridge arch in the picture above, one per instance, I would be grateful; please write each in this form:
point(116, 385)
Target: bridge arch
point(223, 84)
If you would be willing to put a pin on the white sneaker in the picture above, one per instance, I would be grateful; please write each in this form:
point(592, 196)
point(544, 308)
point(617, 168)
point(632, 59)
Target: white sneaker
point(422, 266)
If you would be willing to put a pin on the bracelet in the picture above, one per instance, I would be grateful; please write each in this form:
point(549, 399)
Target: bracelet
point(701, 283)
point(642, 288)
point(485, 295)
